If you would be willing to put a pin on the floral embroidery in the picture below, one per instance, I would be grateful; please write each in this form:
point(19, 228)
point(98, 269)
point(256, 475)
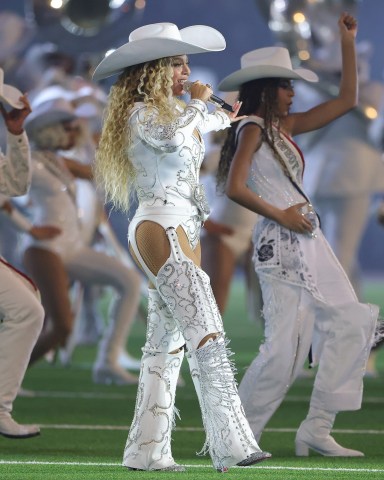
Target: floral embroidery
point(278, 254)
point(265, 252)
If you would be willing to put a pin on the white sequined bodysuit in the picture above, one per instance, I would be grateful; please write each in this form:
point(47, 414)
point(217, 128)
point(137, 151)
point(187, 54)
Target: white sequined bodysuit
point(167, 159)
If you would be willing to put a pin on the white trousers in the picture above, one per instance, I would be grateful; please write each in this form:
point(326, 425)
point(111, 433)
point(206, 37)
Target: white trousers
point(344, 220)
point(21, 321)
point(340, 330)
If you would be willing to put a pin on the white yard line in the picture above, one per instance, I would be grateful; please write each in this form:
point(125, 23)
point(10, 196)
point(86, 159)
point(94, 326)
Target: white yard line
point(59, 426)
point(125, 396)
point(271, 467)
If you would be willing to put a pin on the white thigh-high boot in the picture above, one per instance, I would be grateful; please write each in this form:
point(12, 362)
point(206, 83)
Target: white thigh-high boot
point(339, 381)
point(21, 320)
point(186, 290)
point(148, 445)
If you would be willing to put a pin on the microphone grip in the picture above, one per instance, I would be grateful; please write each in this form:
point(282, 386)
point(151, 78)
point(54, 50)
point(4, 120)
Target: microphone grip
point(219, 102)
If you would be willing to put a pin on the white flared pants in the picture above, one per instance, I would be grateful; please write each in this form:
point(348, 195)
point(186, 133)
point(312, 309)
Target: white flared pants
point(338, 327)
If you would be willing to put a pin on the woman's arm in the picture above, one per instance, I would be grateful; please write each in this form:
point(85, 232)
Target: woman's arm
point(171, 135)
point(237, 189)
point(328, 111)
point(78, 169)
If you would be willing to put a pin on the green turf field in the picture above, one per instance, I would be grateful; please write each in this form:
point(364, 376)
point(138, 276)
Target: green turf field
point(84, 426)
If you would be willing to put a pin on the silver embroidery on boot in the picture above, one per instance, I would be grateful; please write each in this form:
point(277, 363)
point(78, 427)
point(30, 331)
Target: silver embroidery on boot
point(186, 290)
point(229, 439)
point(148, 445)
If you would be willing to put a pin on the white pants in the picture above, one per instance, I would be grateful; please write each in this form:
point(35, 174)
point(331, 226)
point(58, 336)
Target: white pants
point(21, 320)
point(340, 330)
point(344, 220)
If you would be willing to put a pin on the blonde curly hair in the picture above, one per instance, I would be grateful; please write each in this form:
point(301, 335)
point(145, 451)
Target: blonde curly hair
point(151, 83)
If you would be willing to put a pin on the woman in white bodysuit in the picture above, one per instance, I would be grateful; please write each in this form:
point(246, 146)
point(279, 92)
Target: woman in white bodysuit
point(151, 146)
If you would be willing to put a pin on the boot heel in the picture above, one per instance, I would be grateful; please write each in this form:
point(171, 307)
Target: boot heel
point(302, 449)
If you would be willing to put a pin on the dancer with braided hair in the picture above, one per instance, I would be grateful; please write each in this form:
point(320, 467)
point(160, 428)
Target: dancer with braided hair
point(307, 297)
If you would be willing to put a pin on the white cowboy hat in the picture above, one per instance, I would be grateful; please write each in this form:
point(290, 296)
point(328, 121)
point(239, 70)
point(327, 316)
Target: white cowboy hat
point(159, 40)
point(83, 100)
point(48, 113)
point(268, 62)
point(9, 94)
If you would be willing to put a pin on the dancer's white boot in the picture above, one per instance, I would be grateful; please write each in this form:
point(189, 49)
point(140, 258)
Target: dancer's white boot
point(314, 433)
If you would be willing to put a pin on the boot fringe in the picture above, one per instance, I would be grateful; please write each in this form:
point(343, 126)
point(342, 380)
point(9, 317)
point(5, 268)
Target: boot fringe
point(216, 377)
point(378, 336)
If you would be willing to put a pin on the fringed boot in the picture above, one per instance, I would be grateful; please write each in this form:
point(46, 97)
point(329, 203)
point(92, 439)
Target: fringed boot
point(186, 290)
point(148, 445)
point(229, 439)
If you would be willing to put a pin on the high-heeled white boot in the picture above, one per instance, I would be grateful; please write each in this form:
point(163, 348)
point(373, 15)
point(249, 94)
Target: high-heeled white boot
point(229, 438)
point(148, 445)
point(186, 290)
point(314, 433)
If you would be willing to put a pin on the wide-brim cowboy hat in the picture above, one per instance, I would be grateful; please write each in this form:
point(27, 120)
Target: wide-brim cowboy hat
point(159, 40)
point(49, 113)
point(268, 62)
point(85, 101)
point(10, 95)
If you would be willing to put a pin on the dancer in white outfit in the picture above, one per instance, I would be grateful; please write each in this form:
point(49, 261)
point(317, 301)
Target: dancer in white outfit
point(152, 144)
point(21, 314)
point(54, 263)
point(307, 296)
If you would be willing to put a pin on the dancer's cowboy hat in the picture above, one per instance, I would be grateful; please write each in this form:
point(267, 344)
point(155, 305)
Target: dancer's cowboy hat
point(268, 62)
point(10, 95)
point(159, 40)
point(86, 101)
point(49, 113)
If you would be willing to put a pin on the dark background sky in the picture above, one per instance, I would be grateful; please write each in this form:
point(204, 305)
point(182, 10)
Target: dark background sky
point(244, 28)
point(240, 21)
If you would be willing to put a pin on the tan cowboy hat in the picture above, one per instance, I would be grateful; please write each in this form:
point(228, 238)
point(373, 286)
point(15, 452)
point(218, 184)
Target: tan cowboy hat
point(8, 94)
point(268, 62)
point(159, 40)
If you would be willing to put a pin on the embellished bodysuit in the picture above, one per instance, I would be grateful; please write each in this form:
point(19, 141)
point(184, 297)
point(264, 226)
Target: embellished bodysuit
point(167, 160)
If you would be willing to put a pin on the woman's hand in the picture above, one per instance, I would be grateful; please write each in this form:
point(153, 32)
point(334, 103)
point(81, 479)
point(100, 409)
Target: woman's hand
point(347, 26)
point(200, 91)
point(294, 219)
point(235, 110)
point(14, 119)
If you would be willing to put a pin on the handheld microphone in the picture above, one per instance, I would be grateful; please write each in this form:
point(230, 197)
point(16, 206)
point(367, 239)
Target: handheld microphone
point(212, 99)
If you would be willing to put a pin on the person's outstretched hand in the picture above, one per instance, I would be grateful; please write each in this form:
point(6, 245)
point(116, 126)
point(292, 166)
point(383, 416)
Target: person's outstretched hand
point(347, 25)
point(14, 119)
point(235, 110)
